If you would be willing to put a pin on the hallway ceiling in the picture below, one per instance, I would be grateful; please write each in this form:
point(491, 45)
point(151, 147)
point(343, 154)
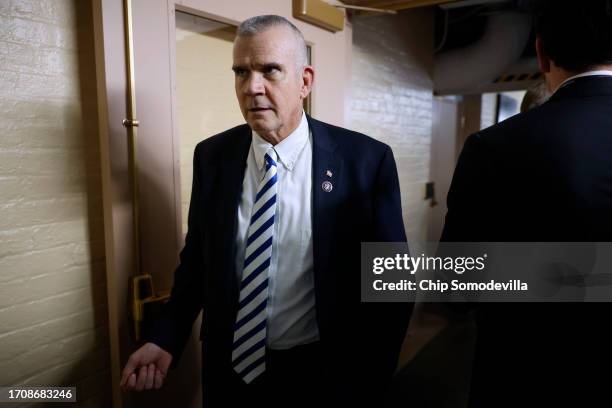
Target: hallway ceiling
point(461, 26)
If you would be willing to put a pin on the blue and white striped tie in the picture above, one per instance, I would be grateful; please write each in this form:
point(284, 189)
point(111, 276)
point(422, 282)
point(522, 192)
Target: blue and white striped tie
point(248, 355)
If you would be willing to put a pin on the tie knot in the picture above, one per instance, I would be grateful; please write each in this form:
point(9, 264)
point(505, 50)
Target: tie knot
point(270, 158)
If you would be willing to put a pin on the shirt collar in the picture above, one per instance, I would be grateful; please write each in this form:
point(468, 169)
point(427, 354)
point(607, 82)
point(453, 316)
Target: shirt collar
point(287, 150)
point(583, 74)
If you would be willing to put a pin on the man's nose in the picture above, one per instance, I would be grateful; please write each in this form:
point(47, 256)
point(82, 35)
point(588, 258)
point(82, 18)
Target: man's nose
point(254, 85)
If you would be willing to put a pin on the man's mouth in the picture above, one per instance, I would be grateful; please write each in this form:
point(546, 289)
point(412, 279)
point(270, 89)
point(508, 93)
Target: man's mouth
point(258, 109)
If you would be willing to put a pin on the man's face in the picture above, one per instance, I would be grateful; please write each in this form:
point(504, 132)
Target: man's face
point(270, 81)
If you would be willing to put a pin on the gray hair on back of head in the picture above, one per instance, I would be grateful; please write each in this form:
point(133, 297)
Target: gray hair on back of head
point(259, 24)
point(535, 96)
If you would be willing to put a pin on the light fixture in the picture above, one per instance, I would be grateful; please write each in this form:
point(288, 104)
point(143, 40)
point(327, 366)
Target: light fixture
point(319, 13)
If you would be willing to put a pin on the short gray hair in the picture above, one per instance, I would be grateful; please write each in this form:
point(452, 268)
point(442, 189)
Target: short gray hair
point(535, 96)
point(259, 24)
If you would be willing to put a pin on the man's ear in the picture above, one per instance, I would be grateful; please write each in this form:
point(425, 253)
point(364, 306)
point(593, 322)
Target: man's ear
point(307, 81)
point(543, 60)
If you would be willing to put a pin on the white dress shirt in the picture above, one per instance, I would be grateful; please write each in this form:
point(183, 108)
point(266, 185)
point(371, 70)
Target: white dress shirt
point(291, 297)
point(584, 74)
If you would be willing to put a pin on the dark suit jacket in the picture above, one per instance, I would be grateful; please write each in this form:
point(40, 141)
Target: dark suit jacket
point(545, 175)
point(360, 341)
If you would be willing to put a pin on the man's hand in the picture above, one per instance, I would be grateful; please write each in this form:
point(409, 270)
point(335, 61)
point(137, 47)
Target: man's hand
point(146, 368)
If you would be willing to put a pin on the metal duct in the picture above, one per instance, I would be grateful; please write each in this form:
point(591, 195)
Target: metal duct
point(470, 69)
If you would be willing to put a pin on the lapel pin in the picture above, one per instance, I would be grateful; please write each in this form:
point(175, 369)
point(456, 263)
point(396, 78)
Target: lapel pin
point(328, 173)
point(327, 186)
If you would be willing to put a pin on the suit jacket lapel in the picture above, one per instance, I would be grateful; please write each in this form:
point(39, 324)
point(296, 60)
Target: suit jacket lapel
point(229, 179)
point(326, 192)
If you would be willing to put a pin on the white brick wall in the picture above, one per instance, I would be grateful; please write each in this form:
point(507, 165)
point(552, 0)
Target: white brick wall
point(53, 318)
point(391, 100)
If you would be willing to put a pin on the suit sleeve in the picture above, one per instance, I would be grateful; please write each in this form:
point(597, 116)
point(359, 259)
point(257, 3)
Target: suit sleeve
point(388, 220)
point(466, 216)
point(172, 330)
point(389, 321)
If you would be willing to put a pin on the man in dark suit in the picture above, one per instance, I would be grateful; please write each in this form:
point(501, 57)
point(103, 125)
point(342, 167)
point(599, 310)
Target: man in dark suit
point(545, 175)
point(278, 210)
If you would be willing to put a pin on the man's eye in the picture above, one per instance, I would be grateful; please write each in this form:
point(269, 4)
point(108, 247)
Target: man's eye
point(271, 70)
point(240, 72)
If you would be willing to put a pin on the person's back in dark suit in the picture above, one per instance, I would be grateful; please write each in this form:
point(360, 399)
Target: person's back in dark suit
point(545, 175)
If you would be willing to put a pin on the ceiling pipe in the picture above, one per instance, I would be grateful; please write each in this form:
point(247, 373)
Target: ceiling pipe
point(470, 69)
